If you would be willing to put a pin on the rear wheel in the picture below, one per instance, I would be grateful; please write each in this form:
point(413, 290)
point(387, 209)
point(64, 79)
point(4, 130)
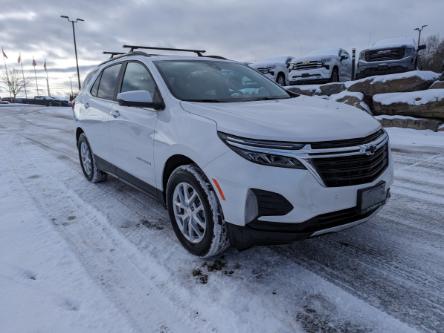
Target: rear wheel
point(195, 212)
point(87, 161)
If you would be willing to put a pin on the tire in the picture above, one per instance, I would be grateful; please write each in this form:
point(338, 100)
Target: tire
point(91, 172)
point(281, 79)
point(335, 75)
point(205, 239)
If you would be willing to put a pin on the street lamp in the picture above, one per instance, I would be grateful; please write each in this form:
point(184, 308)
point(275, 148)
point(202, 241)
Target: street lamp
point(75, 44)
point(419, 41)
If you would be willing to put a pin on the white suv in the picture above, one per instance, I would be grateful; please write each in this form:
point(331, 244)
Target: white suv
point(235, 158)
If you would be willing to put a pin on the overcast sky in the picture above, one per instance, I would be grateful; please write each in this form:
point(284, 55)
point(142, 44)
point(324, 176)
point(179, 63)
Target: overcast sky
point(241, 30)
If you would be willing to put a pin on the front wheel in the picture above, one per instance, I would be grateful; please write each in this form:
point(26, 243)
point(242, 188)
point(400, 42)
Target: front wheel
point(334, 75)
point(195, 212)
point(281, 79)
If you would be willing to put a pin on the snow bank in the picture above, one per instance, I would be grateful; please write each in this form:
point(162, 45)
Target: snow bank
point(402, 137)
point(424, 75)
point(345, 94)
point(411, 98)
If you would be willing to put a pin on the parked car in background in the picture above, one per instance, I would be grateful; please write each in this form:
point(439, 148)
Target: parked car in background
point(321, 66)
point(275, 68)
point(50, 101)
point(396, 55)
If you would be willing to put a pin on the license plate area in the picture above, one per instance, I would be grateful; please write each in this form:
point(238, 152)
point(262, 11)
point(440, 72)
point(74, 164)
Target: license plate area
point(372, 197)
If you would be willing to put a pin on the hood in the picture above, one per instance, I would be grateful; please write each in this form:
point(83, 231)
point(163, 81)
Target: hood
point(312, 58)
point(300, 119)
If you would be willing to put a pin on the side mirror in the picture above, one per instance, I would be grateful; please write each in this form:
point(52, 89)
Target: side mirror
point(140, 98)
point(343, 57)
point(422, 47)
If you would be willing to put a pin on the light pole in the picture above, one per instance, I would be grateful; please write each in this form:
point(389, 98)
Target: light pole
point(419, 41)
point(75, 43)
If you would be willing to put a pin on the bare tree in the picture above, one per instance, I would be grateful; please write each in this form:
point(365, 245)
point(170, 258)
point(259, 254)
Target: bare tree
point(13, 81)
point(433, 56)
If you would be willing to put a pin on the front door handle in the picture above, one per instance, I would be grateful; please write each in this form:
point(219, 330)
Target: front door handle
point(115, 113)
point(86, 105)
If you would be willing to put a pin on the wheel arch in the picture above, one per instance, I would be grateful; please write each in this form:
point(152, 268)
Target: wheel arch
point(170, 165)
point(79, 131)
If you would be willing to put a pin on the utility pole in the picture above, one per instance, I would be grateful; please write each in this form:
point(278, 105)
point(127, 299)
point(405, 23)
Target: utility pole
point(23, 75)
point(47, 78)
point(35, 75)
point(419, 41)
point(75, 43)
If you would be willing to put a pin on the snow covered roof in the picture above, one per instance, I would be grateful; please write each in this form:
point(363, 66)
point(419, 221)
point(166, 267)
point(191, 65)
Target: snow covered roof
point(394, 42)
point(327, 52)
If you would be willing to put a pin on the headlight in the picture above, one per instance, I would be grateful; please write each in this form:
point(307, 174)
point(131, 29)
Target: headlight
point(362, 55)
point(263, 152)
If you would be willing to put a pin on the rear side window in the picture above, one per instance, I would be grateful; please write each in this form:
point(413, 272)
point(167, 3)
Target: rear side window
point(95, 87)
point(137, 77)
point(108, 82)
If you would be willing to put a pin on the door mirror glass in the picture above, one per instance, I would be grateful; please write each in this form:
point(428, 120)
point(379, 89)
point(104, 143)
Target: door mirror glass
point(141, 98)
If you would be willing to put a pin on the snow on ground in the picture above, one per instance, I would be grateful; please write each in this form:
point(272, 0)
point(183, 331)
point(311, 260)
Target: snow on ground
point(407, 137)
point(82, 257)
point(346, 93)
point(411, 98)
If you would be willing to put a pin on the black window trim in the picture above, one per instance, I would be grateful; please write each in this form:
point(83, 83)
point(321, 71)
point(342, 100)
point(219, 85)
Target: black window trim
point(99, 77)
point(122, 74)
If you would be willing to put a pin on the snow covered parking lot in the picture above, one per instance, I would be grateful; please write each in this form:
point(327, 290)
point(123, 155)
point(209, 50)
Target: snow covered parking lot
point(80, 257)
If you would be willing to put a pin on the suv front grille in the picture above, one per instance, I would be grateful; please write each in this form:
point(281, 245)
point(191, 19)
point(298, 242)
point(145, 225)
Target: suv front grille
point(348, 142)
point(352, 169)
point(384, 54)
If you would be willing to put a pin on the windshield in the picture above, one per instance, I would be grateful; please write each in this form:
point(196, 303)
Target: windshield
point(217, 81)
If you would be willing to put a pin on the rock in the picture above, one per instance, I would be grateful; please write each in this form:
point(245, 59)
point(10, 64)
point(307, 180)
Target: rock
point(355, 99)
point(307, 90)
point(402, 82)
point(441, 78)
point(410, 122)
point(437, 85)
point(332, 88)
point(426, 103)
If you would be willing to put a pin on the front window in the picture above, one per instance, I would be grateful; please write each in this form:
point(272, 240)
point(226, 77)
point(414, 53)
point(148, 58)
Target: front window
point(217, 81)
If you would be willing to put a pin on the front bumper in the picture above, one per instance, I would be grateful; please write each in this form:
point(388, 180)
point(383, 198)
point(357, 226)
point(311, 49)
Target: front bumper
point(270, 233)
point(365, 69)
point(314, 75)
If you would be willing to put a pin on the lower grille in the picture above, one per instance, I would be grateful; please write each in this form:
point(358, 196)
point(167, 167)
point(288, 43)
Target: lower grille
point(353, 169)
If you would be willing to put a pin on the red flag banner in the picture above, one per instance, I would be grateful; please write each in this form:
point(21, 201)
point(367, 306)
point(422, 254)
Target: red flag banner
point(4, 54)
point(33, 62)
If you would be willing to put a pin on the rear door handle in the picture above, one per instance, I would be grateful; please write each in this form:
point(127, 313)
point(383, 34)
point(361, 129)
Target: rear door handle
point(115, 113)
point(86, 105)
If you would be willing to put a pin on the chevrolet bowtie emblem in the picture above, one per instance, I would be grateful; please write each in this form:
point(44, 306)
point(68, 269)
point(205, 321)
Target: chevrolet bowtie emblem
point(368, 149)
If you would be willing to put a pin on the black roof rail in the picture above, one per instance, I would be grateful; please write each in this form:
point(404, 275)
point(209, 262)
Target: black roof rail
point(133, 47)
point(112, 54)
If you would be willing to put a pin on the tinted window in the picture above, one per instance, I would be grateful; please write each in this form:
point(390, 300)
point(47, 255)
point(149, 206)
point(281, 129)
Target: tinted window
point(108, 82)
point(217, 81)
point(95, 87)
point(137, 78)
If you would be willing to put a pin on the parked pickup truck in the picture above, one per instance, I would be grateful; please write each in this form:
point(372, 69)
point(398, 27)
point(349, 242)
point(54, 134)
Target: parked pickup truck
point(396, 55)
point(321, 66)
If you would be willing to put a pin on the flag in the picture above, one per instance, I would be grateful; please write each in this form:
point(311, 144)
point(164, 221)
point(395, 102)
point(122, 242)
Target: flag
point(19, 60)
point(33, 62)
point(44, 65)
point(4, 54)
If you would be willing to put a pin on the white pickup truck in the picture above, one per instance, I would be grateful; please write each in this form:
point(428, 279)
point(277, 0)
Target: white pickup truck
point(275, 68)
point(321, 66)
